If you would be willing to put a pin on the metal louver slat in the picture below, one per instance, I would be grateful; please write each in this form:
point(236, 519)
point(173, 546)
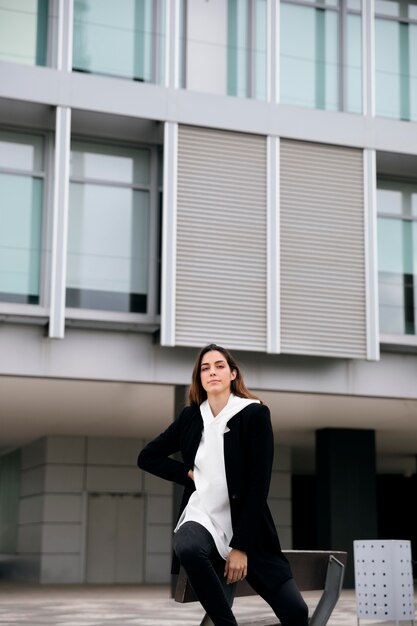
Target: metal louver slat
point(323, 281)
point(221, 270)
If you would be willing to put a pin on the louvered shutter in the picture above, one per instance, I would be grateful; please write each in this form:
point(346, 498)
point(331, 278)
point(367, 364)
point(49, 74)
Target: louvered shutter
point(221, 262)
point(323, 281)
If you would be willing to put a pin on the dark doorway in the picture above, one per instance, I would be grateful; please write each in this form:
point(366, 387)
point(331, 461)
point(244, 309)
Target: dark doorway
point(397, 514)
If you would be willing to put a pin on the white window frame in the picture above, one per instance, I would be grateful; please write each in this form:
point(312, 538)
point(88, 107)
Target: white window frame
point(402, 339)
point(343, 13)
point(15, 311)
point(114, 318)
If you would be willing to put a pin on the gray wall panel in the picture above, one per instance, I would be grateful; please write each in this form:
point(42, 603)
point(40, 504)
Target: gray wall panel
point(221, 239)
point(323, 290)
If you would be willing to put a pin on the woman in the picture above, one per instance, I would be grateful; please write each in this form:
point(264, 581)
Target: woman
point(225, 530)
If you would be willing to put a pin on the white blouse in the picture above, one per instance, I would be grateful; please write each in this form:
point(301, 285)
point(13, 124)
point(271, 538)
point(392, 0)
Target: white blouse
point(209, 504)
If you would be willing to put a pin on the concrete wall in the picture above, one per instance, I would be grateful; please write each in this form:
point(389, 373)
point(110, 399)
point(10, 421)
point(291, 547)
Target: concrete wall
point(158, 529)
point(57, 473)
point(134, 357)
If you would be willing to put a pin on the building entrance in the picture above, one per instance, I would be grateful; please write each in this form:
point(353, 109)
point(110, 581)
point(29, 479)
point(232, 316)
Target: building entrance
point(115, 531)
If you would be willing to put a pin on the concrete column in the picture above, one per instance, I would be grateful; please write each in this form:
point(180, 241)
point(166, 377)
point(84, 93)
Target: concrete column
point(346, 490)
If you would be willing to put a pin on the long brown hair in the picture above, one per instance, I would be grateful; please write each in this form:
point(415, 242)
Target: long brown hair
point(197, 393)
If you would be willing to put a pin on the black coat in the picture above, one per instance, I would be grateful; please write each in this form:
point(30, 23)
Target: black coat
point(248, 456)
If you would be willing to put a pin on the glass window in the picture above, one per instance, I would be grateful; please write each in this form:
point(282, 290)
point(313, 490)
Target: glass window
point(108, 229)
point(397, 257)
point(21, 201)
point(23, 31)
point(396, 59)
point(316, 70)
point(223, 47)
point(124, 38)
point(353, 68)
point(246, 48)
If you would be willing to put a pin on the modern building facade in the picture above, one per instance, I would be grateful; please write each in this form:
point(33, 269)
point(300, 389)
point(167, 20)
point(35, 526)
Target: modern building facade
point(175, 173)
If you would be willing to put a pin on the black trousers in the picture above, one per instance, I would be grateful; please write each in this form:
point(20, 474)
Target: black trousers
point(197, 553)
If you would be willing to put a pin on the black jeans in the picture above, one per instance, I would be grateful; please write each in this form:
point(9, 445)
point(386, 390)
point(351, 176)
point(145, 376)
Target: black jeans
point(197, 553)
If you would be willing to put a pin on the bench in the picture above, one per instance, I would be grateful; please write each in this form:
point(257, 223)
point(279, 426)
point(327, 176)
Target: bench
point(312, 570)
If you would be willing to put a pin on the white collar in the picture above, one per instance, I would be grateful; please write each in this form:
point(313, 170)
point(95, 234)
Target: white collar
point(233, 406)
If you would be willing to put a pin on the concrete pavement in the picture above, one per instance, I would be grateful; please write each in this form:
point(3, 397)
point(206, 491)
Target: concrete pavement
point(147, 605)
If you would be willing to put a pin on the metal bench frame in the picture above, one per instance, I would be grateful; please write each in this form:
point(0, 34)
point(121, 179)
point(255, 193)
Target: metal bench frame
point(312, 570)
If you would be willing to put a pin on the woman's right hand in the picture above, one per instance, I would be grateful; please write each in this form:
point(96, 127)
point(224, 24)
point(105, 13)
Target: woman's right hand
point(191, 474)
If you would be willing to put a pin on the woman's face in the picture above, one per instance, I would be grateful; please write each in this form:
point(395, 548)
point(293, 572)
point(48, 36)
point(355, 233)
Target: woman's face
point(216, 375)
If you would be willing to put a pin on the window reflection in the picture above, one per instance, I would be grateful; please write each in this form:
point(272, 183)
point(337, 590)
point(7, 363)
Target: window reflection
point(23, 31)
point(397, 257)
point(320, 68)
point(124, 38)
point(396, 59)
point(21, 193)
point(108, 229)
point(106, 163)
point(223, 47)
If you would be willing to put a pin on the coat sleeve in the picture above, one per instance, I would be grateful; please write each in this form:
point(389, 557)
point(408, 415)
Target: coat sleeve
point(261, 454)
point(154, 457)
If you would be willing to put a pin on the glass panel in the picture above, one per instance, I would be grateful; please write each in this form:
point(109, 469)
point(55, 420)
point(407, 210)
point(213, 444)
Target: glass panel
point(237, 48)
point(260, 49)
point(414, 204)
point(405, 9)
point(322, 3)
point(413, 227)
point(413, 248)
point(390, 8)
point(309, 57)
point(23, 31)
point(412, 42)
point(119, 39)
point(397, 251)
point(21, 152)
point(20, 238)
point(328, 57)
point(182, 80)
point(108, 248)
point(390, 246)
point(397, 198)
point(387, 75)
point(391, 318)
point(246, 48)
point(206, 55)
point(159, 47)
point(160, 167)
point(354, 64)
point(389, 201)
point(110, 163)
point(396, 69)
point(354, 5)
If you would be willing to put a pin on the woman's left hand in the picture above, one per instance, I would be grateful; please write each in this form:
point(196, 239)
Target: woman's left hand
point(236, 566)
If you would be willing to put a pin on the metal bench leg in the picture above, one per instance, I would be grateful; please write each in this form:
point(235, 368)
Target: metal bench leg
point(331, 593)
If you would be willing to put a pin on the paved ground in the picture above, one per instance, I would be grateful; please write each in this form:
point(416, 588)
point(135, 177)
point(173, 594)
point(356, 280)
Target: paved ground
point(89, 605)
